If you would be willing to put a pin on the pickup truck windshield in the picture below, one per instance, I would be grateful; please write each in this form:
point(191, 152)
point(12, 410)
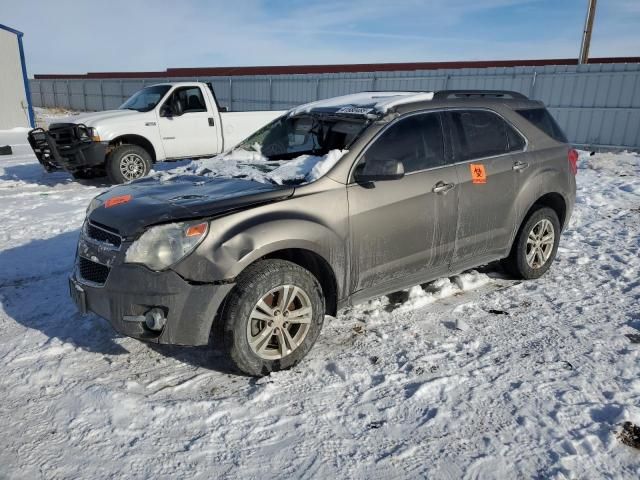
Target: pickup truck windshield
point(146, 99)
point(292, 136)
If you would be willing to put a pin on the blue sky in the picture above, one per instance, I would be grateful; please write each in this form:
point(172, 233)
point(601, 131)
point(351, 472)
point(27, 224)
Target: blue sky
point(64, 36)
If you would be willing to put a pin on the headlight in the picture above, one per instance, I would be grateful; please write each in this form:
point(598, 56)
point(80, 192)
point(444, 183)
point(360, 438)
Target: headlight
point(93, 133)
point(162, 246)
point(95, 203)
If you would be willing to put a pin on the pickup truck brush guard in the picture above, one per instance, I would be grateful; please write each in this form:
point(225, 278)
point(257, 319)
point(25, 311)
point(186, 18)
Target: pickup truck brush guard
point(66, 146)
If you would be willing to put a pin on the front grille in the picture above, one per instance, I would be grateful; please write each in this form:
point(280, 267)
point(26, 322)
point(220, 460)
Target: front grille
point(101, 234)
point(62, 137)
point(92, 271)
point(66, 134)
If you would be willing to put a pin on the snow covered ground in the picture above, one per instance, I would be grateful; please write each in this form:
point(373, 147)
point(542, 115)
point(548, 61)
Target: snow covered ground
point(45, 116)
point(476, 376)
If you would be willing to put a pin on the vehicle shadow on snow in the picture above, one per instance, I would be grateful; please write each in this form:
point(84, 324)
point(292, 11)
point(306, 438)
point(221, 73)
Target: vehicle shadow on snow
point(206, 357)
point(34, 292)
point(34, 173)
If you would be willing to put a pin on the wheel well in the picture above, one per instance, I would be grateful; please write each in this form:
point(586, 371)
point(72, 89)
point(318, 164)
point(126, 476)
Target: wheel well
point(319, 267)
point(554, 201)
point(135, 140)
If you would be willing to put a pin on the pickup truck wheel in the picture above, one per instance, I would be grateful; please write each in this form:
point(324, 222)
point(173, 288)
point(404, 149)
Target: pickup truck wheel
point(272, 317)
point(128, 162)
point(535, 245)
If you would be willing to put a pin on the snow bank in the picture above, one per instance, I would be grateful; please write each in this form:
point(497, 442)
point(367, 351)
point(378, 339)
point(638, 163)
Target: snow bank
point(47, 116)
point(423, 295)
point(14, 136)
point(621, 164)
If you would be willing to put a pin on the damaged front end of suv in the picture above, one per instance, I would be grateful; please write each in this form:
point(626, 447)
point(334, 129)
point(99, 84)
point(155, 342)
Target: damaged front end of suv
point(131, 243)
point(159, 256)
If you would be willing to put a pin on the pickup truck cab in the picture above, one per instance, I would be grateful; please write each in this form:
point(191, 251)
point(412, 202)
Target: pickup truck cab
point(168, 121)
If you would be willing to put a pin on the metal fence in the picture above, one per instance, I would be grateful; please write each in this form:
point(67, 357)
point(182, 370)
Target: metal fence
point(596, 104)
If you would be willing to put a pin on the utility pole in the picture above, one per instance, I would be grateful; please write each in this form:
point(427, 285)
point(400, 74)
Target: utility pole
point(586, 35)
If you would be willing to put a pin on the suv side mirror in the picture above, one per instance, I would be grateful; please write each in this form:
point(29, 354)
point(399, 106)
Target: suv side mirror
point(379, 170)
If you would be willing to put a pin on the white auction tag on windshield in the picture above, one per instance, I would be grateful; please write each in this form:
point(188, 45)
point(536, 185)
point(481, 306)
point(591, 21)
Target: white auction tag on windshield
point(356, 110)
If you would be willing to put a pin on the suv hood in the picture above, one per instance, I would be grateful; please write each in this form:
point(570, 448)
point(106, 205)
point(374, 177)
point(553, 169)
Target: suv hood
point(181, 198)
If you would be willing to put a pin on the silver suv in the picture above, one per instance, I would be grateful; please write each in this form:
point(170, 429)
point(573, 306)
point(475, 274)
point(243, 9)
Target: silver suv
point(385, 190)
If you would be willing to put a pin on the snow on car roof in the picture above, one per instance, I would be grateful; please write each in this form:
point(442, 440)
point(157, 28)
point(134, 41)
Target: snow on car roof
point(363, 103)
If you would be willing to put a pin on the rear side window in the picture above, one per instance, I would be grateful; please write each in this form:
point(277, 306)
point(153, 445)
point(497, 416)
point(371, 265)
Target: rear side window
point(417, 141)
point(542, 119)
point(478, 133)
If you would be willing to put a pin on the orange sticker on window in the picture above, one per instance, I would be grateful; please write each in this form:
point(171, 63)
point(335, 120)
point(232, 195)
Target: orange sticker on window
point(478, 174)
point(113, 201)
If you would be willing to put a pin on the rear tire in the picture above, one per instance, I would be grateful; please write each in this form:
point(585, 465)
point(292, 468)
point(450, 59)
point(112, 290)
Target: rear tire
point(272, 317)
point(535, 246)
point(128, 162)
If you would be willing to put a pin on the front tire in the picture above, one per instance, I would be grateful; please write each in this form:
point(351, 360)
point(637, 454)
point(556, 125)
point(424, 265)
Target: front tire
point(535, 246)
point(128, 162)
point(272, 317)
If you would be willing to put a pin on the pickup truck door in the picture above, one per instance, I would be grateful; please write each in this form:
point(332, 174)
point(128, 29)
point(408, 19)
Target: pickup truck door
point(403, 231)
point(195, 132)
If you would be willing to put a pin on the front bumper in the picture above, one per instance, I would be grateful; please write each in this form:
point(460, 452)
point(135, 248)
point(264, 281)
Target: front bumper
point(67, 147)
point(133, 290)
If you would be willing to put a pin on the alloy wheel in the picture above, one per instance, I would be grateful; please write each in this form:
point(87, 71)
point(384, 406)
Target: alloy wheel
point(540, 242)
point(279, 322)
point(132, 166)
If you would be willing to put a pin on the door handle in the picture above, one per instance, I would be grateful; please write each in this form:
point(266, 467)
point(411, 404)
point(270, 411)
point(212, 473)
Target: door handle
point(442, 187)
point(520, 165)
point(211, 122)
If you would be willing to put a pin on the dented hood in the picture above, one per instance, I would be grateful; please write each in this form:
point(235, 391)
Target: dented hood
point(149, 201)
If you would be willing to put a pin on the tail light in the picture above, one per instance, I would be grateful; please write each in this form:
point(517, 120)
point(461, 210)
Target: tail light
point(573, 160)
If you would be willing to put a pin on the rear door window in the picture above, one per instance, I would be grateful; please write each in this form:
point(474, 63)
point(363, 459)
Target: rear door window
point(542, 119)
point(479, 133)
point(417, 141)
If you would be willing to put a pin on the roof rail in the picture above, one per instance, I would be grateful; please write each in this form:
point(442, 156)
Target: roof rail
point(447, 94)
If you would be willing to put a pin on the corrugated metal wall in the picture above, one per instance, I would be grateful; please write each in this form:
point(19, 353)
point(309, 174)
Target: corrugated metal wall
point(596, 104)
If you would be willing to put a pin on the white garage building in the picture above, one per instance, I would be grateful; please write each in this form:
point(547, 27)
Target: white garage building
point(15, 98)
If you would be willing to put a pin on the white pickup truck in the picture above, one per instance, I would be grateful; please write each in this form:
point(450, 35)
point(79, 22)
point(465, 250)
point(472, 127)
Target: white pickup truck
point(168, 121)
